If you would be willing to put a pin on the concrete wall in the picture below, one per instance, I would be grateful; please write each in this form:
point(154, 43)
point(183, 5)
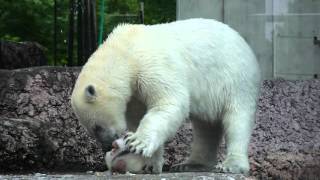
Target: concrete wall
point(211, 9)
point(280, 32)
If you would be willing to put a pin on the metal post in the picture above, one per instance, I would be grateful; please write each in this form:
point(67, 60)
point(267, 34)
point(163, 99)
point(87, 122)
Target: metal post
point(88, 28)
point(55, 33)
point(223, 11)
point(71, 32)
point(93, 24)
point(86, 44)
point(141, 12)
point(101, 22)
point(273, 42)
point(1, 52)
point(80, 33)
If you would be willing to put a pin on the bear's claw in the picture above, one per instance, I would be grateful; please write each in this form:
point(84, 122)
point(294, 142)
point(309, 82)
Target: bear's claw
point(137, 146)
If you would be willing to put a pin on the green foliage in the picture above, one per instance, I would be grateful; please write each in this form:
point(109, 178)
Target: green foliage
point(156, 11)
point(32, 20)
point(159, 11)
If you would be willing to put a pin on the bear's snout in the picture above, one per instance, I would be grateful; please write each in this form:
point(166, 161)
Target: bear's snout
point(105, 136)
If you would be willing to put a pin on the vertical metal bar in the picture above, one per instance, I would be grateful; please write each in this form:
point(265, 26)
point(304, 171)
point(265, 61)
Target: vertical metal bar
point(177, 9)
point(93, 24)
point(86, 44)
point(80, 32)
point(1, 64)
point(71, 32)
point(273, 42)
point(55, 33)
point(142, 12)
point(101, 22)
point(88, 28)
point(223, 11)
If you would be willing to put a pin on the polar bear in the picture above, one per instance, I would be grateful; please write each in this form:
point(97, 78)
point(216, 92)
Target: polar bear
point(197, 68)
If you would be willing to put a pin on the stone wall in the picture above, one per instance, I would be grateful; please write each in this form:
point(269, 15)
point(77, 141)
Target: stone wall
point(39, 132)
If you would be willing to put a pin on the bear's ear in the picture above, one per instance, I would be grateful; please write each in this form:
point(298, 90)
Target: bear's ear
point(90, 93)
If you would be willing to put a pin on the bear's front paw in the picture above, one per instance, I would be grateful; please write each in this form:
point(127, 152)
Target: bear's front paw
point(139, 144)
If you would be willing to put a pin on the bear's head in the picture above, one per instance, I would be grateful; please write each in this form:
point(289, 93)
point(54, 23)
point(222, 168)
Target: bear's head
point(99, 100)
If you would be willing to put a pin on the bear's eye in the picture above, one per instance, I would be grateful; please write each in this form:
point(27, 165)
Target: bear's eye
point(90, 93)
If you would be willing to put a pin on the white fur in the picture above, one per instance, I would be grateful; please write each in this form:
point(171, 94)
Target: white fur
point(194, 67)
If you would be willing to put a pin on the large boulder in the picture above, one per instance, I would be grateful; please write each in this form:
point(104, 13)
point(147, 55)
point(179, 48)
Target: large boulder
point(39, 131)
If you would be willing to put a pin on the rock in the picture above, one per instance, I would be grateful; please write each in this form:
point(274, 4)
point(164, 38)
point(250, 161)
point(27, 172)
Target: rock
point(285, 140)
point(40, 133)
point(38, 129)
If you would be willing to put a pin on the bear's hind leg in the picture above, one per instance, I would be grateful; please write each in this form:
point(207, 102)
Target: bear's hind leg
point(238, 127)
point(206, 140)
